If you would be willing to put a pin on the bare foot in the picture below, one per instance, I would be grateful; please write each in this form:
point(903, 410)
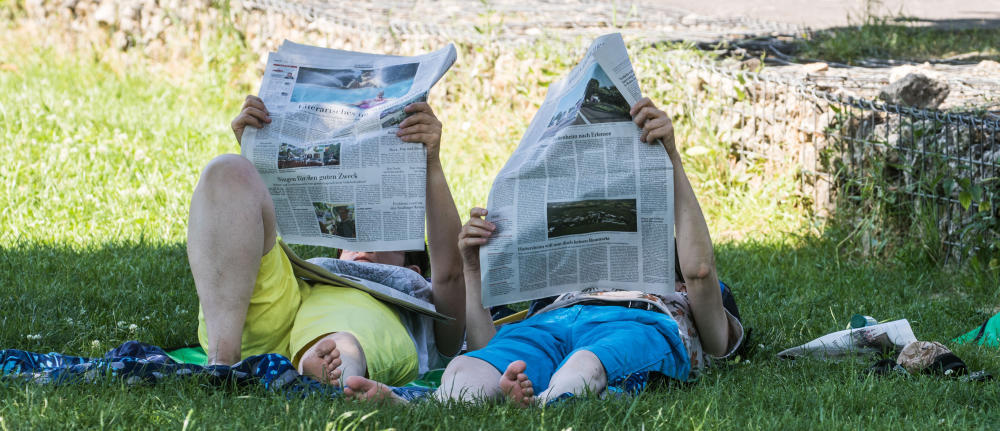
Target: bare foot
point(322, 362)
point(516, 386)
point(360, 388)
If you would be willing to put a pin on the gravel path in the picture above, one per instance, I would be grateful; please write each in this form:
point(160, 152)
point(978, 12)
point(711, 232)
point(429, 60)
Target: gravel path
point(820, 14)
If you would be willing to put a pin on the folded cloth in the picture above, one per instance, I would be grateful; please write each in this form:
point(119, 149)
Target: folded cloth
point(930, 357)
point(987, 334)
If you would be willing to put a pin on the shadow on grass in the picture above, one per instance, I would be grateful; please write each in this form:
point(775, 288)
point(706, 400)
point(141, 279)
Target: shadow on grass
point(85, 301)
point(790, 291)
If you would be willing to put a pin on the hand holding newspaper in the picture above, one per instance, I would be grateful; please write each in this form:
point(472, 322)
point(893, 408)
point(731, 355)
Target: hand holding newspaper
point(582, 203)
point(337, 173)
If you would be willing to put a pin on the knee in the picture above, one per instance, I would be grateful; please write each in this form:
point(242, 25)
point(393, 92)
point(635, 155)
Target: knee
point(230, 173)
point(466, 365)
point(587, 364)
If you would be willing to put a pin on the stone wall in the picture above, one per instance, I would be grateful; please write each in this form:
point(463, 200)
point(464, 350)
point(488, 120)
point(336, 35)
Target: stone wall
point(168, 29)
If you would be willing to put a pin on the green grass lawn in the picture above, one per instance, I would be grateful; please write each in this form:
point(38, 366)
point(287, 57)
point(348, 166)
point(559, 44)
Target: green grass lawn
point(97, 163)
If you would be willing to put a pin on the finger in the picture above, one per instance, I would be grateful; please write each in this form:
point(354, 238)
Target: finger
point(472, 241)
point(664, 130)
point(653, 112)
point(478, 222)
point(246, 101)
point(418, 107)
point(646, 114)
point(645, 134)
point(258, 114)
point(418, 118)
point(247, 120)
point(639, 105)
point(476, 231)
point(656, 123)
point(416, 128)
point(478, 212)
point(641, 117)
point(420, 132)
point(255, 102)
point(420, 137)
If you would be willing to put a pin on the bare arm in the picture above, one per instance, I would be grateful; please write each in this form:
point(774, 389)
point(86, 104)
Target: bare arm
point(694, 245)
point(479, 322)
point(443, 226)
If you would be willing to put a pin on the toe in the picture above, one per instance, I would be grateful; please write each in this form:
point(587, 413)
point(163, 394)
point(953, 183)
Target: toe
point(334, 364)
point(515, 369)
point(326, 346)
point(333, 354)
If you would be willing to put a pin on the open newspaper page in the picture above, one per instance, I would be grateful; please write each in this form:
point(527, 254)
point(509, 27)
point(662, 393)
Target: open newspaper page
point(582, 203)
point(338, 175)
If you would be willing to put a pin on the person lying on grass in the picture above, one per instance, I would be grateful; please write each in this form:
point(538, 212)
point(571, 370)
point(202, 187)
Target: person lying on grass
point(585, 341)
point(251, 302)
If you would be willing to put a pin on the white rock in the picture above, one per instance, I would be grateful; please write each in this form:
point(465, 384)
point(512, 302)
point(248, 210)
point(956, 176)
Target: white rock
point(815, 67)
point(106, 14)
point(925, 69)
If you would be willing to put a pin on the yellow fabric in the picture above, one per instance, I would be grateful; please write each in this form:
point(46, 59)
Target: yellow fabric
point(273, 306)
point(286, 314)
point(516, 317)
point(389, 351)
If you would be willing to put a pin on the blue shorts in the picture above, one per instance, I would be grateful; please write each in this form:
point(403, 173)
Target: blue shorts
point(626, 340)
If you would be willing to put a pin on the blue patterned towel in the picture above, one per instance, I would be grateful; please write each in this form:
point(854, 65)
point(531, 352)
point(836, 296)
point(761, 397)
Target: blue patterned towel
point(137, 363)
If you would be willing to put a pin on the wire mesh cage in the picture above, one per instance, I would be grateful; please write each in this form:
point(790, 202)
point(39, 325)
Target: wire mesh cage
point(890, 169)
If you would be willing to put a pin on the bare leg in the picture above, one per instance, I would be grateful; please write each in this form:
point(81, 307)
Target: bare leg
point(581, 373)
point(230, 227)
point(334, 357)
point(516, 386)
point(468, 379)
point(360, 388)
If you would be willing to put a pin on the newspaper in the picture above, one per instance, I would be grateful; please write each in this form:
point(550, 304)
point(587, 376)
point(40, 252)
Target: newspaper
point(582, 203)
point(386, 283)
point(338, 175)
point(865, 340)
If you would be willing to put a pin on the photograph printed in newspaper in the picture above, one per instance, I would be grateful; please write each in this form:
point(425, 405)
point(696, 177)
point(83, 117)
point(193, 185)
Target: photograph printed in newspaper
point(337, 173)
point(582, 203)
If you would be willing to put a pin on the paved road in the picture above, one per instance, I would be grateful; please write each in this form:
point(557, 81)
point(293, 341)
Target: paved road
point(594, 116)
point(819, 14)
